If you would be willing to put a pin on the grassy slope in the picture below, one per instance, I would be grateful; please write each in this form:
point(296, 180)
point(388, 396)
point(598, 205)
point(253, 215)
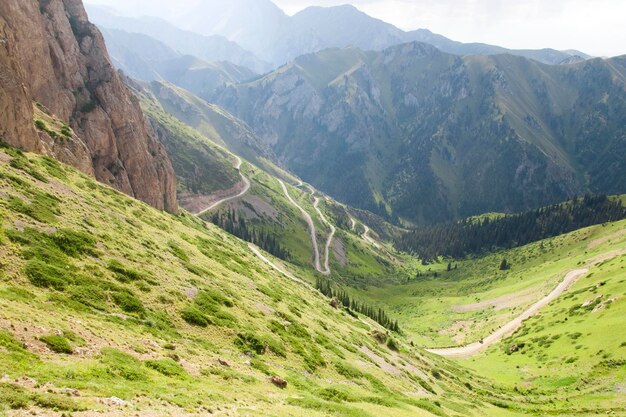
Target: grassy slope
point(266, 207)
point(126, 272)
point(201, 166)
point(209, 120)
point(571, 355)
point(578, 343)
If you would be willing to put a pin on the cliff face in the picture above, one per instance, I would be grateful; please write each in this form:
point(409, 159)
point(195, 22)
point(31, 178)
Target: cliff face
point(52, 55)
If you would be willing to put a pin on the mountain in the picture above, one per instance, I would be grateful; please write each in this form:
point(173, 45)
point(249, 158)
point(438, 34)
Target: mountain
point(201, 167)
point(209, 120)
point(137, 55)
point(61, 96)
point(264, 29)
point(253, 24)
point(144, 58)
point(208, 48)
point(424, 136)
point(546, 55)
point(167, 314)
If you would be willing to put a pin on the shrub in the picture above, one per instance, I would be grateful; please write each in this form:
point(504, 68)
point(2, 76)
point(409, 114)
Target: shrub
point(89, 295)
point(194, 269)
point(57, 344)
point(123, 365)
point(41, 125)
point(56, 402)
point(391, 344)
point(9, 342)
point(167, 367)
point(127, 301)
point(348, 371)
point(66, 131)
point(46, 275)
point(123, 273)
point(194, 317)
point(14, 396)
point(250, 343)
point(335, 394)
point(224, 319)
point(74, 242)
point(259, 365)
point(43, 207)
point(178, 251)
point(211, 296)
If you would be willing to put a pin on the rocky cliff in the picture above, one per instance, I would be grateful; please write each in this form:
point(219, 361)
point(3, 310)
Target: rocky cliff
point(54, 61)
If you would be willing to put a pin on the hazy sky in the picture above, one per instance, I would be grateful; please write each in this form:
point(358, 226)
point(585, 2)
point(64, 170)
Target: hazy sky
point(597, 27)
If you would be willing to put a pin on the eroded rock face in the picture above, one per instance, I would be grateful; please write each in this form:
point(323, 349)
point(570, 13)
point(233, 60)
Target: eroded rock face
point(51, 54)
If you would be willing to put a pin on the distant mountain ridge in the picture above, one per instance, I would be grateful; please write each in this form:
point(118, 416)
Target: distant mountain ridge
point(209, 48)
point(278, 38)
point(261, 27)
point(144, 58)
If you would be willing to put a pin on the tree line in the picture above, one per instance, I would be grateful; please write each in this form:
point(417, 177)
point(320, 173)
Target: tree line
point(236, 225)
point(377, 314)
point(478, 236)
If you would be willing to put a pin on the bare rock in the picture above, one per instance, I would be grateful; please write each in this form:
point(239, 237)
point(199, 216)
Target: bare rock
point(279, 382)
point(51, 54)
point(114, 401)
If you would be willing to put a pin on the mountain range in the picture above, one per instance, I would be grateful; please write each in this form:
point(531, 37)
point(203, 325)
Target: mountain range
point(144, 58)
point(268, 33)
point(426, 136)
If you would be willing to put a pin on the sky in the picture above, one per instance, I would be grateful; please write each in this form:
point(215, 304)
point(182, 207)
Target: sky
point(596, 27)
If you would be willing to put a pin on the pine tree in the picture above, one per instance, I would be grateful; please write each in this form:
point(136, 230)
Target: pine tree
point(504, 265)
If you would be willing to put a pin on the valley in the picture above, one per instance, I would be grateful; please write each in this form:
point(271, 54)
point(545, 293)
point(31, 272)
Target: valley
point(339, 218)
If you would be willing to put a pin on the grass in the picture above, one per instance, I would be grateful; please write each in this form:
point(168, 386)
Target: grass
point(120, 286)
point(58, 344)
point(109, 276)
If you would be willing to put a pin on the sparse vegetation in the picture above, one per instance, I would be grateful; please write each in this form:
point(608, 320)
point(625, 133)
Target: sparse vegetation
point(58, 344)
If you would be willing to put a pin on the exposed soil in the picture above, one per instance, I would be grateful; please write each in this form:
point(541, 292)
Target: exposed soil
point(506, 301)
point(513, 325)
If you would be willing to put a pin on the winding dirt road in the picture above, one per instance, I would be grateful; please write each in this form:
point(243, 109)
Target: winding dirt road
point(309, 220)
point(329, 241)
point(313, 232)
point(368, 238)
point(512, 326)
point(232, 197)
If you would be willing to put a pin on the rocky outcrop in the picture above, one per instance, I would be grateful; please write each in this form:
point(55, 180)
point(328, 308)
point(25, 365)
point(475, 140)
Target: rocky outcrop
point(52, 55)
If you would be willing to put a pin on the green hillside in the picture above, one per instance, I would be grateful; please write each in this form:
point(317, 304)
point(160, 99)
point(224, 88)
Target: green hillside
point(205, 169)
point(572, 354)
point(201, 167)
point(207, 119)
point(103, 296)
